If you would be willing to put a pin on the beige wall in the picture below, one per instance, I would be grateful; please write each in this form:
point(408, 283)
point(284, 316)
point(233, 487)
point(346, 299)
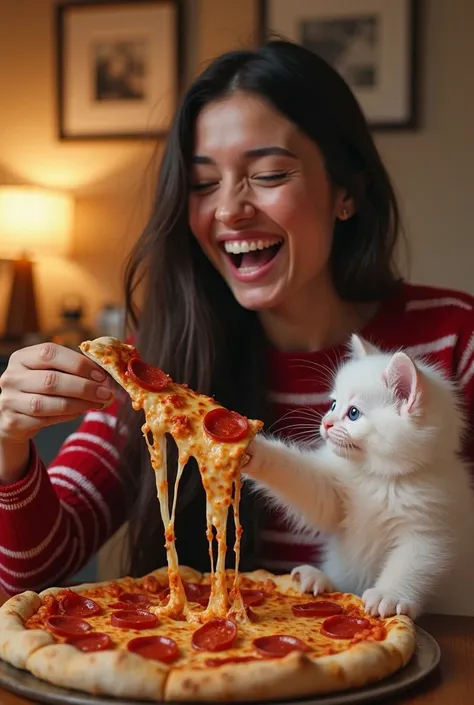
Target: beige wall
point(432, 168)
point(113, 180)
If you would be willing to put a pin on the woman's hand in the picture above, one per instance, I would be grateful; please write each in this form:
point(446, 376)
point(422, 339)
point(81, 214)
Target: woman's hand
point(43, 385)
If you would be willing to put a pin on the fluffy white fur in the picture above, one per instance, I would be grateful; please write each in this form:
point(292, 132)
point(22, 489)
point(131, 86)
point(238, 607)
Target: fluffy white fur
point(386, 486)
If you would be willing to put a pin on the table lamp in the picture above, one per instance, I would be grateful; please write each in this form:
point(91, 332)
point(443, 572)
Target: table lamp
point(34, 222)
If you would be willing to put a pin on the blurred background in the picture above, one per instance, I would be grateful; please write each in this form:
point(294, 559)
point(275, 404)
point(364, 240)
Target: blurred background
point(84, 108)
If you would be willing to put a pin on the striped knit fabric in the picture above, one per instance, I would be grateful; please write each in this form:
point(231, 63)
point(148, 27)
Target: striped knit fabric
point(55, 519)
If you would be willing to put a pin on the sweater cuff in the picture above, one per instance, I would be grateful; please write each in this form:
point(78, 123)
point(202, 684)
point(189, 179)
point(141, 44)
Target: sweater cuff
point(19, 491)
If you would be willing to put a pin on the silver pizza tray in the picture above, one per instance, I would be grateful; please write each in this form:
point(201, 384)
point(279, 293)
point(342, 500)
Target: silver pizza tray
point(424, 661)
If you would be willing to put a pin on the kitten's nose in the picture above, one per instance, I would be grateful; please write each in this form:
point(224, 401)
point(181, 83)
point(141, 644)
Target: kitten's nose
point(327, 425)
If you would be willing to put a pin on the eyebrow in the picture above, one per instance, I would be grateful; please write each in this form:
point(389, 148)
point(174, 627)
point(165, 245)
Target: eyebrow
point(251, 154)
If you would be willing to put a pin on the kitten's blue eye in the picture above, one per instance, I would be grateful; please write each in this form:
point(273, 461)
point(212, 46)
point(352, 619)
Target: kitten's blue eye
point(333, 405)
point(353, 413)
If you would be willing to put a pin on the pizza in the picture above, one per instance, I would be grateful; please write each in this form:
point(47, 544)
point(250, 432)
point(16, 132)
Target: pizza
point(107, 639)
point(201, 428)
point(177, 634)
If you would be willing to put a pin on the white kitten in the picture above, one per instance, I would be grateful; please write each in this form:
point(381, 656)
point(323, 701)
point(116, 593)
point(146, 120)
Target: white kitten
point(387, 486)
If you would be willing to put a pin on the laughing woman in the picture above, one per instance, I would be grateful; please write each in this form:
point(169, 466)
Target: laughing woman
point(270, 241)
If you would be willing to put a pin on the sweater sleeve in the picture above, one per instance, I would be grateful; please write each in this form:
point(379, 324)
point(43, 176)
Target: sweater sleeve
point(54, 520)
point(464, 360)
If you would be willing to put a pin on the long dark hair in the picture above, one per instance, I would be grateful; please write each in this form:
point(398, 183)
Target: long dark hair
point(184, 316)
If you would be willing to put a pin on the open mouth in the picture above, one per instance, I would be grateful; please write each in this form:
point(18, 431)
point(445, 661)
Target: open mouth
point(250, 256)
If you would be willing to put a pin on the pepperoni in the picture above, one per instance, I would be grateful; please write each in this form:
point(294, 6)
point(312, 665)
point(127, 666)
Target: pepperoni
point(316, 609)
point(151, 378)
point(193, 591)
point(201, 595)
point(93, 641)
point(213, 662)
point(342, 627)
point(75, 605)
point(120, 606)
point(253, 598)
point(137, 599)
point(158, 648)
point(134, 619)
point(227, 426)
point(216, 635)
point(130, 601)
point(279, 645)
point(64, 625)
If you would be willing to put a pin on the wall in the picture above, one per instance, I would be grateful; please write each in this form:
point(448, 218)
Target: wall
point(432, 168)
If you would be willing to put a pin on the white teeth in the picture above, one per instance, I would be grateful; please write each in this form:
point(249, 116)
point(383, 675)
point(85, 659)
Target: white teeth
point(238, 247)
point(248, 270)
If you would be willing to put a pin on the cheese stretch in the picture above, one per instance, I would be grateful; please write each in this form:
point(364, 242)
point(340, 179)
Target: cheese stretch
point(179, 412)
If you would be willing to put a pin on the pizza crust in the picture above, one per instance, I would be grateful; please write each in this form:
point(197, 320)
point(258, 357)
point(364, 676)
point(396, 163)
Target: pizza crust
point(119, 673)
point(16, 642)
point(297, 675)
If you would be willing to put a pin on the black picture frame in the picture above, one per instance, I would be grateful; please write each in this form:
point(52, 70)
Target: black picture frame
point(106, 115)
point(408, 115)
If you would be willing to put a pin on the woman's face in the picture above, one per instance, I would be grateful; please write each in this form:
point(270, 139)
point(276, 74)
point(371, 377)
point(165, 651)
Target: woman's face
point(261, 204)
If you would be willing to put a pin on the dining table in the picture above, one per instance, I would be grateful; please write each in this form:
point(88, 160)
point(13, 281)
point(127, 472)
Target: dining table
point(451, 683)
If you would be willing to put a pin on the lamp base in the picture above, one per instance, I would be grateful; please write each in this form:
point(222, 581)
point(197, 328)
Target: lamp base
point(22, 313)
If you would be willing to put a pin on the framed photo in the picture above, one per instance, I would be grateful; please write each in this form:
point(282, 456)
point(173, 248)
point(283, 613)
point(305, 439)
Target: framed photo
point(371, 43)
point(119, 67)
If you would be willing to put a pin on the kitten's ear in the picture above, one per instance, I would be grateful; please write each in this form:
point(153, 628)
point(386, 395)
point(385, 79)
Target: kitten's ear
point(360, 347)
point(402, 377)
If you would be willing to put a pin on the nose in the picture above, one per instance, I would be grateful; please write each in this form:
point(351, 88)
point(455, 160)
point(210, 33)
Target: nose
point(327, 424)
point(233, 207)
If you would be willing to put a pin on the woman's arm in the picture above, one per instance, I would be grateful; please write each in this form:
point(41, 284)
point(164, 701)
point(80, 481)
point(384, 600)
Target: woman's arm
point(464, 372)
point(54, 520)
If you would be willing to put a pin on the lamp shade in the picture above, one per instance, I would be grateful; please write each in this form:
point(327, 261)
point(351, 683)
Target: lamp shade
point(34, 221)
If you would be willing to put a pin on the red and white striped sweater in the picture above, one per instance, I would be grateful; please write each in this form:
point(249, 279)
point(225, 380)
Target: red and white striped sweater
point(55, 519)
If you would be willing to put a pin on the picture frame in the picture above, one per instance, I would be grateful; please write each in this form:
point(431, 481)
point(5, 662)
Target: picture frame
point(119, 68)
point(372, 43)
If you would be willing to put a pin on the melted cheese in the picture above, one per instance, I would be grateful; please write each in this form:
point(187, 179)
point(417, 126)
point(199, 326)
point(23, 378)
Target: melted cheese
point(179, 411)
point(273, 617)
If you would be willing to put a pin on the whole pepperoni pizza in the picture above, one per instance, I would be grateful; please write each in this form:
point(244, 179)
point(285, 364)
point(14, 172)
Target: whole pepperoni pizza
point(177, 634)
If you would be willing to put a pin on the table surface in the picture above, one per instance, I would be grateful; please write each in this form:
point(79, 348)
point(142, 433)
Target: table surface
point(450, 684)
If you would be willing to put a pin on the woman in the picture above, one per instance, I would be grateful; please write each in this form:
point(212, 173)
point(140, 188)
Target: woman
point(252, 284)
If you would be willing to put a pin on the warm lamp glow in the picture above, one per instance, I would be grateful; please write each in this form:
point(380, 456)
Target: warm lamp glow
point(34, 221)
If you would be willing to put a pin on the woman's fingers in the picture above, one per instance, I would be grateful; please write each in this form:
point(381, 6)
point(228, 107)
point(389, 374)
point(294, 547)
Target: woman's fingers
point(41, 405)
point(55, 383)
point(49, 356)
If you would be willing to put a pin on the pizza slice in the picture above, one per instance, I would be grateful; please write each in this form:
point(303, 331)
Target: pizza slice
point(216, 437)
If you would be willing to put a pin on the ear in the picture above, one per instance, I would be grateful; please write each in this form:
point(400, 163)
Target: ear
point(402, 377)
point(345, 205)
point(361, 347)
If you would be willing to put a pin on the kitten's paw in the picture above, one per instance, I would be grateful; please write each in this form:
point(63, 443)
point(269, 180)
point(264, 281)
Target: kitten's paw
point(382, 604)
point(312, 579)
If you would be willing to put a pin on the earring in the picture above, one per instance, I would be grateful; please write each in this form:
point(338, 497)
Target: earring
point(344, 214)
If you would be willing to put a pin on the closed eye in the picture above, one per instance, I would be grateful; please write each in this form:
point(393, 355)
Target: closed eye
point(353, 413)
point(203, 186)
point(269, 178)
